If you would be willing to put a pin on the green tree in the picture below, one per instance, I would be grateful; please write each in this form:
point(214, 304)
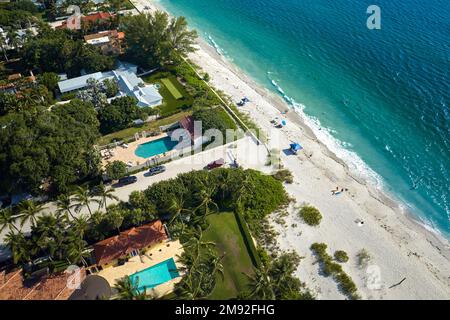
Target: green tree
point(178, 208)
point(156, 40)
point(119, 114)
point(49, 80)
point(64, 204)
point(260, 285)
point(116, 170)
point(104, 194)
point(17, 243)
point(83, 198)
point(111, 87)
point(8, 220)
point(28, 211)
point(127, 290)
point(53, 146)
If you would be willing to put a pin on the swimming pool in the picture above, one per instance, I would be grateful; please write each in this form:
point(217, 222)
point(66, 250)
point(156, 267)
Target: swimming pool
point(152, 148)
point(155, 275)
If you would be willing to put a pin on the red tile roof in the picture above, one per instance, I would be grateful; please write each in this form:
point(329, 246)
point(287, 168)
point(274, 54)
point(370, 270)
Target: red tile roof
point(137, 238)
point(96, 16)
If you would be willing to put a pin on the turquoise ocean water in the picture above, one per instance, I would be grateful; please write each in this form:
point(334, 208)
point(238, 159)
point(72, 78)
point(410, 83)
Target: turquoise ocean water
point(380, 96)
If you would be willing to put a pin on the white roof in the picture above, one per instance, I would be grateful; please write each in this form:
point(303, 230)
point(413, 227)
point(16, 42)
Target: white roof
point(100, 40)
point(129, 84)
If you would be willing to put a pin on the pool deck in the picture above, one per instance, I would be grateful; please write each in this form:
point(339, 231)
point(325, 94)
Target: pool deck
point(127, 155)
point(159, 253)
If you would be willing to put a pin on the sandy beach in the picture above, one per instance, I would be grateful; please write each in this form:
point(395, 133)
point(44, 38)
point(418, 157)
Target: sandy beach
point(363, 217)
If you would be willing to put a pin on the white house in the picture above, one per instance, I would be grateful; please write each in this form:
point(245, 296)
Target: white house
point(129, 85)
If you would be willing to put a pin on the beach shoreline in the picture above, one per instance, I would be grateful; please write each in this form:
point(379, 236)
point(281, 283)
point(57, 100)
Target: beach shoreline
point(401, 244)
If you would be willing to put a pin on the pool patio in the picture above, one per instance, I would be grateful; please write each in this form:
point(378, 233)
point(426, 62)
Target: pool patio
point(127, 154)
point(153, 256)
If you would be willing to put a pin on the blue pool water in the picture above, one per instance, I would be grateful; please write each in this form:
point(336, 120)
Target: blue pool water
point(380, 97)
point(155, 275)
point(152, 148)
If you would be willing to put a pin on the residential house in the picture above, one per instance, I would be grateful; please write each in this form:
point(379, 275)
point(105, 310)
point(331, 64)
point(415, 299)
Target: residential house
point(108, 252)
point(109, 42)
point(129, 85)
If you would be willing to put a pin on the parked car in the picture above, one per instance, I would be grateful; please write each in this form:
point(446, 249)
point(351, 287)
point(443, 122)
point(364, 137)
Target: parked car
point(215, 164)
point(127, 180)
point(156, 170)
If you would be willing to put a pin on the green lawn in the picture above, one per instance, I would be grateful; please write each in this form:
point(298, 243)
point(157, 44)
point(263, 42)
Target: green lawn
point(224, 231)
point(174, 91)
point(169, 89)
point(129, 132)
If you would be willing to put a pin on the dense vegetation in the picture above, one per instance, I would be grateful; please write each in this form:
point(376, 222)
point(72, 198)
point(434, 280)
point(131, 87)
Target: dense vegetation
point(38, 146)
point(17, 14)
point(62, 51)
point(214, 118)
point(119, 114)
point(156, 40)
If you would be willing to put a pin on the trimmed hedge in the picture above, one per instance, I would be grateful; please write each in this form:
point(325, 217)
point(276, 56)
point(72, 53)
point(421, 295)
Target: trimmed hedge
point(248, 240)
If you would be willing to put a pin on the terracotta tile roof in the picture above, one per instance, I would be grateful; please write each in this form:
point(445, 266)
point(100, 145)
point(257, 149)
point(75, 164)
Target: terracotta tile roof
point(51, 287)
point(108, 33)
point(138, 238)
point(14, 76)
point(96, 16)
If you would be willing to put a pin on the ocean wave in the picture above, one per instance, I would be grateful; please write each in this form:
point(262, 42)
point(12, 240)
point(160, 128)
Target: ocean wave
point(214, 44)
point(340, 148)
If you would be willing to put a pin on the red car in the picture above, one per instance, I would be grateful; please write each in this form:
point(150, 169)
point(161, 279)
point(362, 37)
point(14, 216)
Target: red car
point(215, 164)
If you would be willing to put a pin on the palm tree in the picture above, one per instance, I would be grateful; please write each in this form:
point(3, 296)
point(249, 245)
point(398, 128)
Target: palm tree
point(104, 194)
point(49, 235)
point(75, 248)
point(64, 203)
point(217, 267)
point(246, 186)
point(205, 195)
point(81, 225)
point(17, 244)
point(177, 207)
point(83, 198)
point(127, 290)
point(196, 244)
point(28, 212)
point(7, 220)
point(260, 285)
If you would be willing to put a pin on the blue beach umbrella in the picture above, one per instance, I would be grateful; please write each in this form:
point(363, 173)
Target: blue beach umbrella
point(295, 147)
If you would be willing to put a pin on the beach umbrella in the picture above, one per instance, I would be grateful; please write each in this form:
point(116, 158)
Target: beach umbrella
point(283, 122)
point(295, 147)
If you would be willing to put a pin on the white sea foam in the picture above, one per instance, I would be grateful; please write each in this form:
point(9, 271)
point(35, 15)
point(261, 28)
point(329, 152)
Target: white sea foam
point(218, 49)
point(325, 135)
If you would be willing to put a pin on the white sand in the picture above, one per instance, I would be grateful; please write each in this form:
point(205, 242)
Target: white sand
point(400, 248)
